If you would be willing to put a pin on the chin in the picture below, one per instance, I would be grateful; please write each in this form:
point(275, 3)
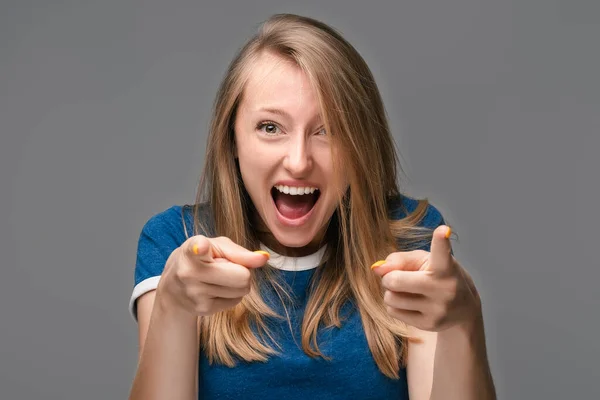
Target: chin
point(297, 240)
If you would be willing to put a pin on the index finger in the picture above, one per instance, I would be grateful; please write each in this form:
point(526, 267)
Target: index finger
point(207, 249)
point(401, 260)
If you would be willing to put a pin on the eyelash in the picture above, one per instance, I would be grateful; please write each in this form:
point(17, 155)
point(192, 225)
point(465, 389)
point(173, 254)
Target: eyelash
point(262, 124)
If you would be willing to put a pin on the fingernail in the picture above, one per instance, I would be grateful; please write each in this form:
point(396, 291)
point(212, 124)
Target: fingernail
point(448, 232)
point(264, 253)
point(195, 249)
point(377, 264)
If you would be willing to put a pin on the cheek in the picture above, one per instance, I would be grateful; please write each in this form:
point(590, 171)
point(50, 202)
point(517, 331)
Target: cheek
point(255, 165)
point(335, 175)
point(256, 160)
point(323, 157)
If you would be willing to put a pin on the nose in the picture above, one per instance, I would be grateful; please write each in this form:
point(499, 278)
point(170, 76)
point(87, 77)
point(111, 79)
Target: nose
point(298, 160)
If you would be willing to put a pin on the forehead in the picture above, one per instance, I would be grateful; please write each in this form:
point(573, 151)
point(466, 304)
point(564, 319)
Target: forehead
point(277, 82)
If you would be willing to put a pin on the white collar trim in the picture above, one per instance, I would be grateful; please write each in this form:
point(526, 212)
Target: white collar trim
point(294, 263)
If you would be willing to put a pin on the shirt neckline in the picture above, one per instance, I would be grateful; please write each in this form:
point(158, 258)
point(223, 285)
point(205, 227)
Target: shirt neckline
point(286, 263)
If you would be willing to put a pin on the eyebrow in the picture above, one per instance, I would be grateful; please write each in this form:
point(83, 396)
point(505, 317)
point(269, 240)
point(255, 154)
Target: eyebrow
point(275, 111)
point(278, 111)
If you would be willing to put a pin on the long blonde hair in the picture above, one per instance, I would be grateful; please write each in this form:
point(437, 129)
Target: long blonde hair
point(361, 230)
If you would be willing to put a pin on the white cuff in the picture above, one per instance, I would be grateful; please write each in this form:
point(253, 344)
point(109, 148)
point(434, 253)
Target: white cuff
point(144, 286)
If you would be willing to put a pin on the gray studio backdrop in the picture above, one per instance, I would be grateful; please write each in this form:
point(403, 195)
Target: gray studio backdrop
point(104, 105)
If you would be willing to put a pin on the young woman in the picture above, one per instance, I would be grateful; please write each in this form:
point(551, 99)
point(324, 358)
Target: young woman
point(301, 270)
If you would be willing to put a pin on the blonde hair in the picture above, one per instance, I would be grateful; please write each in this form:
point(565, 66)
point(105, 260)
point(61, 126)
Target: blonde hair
point(361, 230)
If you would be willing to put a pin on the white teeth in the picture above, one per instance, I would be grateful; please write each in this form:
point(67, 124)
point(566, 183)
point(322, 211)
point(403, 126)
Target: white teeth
point(294, 190)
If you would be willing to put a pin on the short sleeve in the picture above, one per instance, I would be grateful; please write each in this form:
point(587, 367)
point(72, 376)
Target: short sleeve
point(162, 233)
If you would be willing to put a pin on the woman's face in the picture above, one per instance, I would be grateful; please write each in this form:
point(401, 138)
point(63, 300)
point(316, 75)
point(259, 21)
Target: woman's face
point(284, 155)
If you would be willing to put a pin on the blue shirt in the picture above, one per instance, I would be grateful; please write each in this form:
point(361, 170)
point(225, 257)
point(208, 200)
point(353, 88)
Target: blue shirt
point(350, 374)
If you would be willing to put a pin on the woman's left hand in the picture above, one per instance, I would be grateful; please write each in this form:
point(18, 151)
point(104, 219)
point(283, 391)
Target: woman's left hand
point(429, 290)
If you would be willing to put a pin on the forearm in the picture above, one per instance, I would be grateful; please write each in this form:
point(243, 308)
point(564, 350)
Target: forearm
point(461, 368)
point(167, 367)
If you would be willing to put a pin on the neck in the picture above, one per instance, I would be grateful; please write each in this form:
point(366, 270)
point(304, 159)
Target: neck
point(269, 240)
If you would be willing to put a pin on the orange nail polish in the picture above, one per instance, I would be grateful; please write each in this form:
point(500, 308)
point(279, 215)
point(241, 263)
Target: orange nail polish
point(195, 248)
point(448, 233)
point(264, 253)
point(377, 264)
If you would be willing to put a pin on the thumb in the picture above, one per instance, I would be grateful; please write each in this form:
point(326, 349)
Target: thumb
point(198, 248)
point(441, 249)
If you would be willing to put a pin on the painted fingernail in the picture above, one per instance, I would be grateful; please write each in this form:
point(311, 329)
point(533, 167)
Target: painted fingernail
point(264, 253)
point(195, 249)
point(448, 233)
point(377, 264)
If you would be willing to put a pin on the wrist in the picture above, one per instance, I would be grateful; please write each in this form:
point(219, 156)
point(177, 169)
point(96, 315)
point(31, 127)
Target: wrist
point(470, 332)
point(167, 306)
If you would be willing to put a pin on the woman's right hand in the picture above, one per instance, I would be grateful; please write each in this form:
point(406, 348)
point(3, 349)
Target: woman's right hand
point(207, 275)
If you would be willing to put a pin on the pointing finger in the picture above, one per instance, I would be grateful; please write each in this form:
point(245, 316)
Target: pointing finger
point(208, 249)
point(401, 260)
point(226, 248)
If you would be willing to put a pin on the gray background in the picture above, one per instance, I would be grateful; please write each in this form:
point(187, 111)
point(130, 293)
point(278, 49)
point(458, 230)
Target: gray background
point(104, 106)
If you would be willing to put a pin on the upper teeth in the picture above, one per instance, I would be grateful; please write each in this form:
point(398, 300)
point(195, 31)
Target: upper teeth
point(293, 190)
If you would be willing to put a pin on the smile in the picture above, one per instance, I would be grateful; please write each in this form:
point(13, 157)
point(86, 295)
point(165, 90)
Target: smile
point(294, 204)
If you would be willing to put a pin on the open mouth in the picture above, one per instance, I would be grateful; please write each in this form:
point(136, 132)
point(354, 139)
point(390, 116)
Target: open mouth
point(294, 202)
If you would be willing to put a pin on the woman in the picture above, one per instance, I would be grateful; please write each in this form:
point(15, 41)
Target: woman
point(300, 164)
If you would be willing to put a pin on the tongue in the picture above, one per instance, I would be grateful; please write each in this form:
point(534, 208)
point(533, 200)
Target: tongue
point(293, 207)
